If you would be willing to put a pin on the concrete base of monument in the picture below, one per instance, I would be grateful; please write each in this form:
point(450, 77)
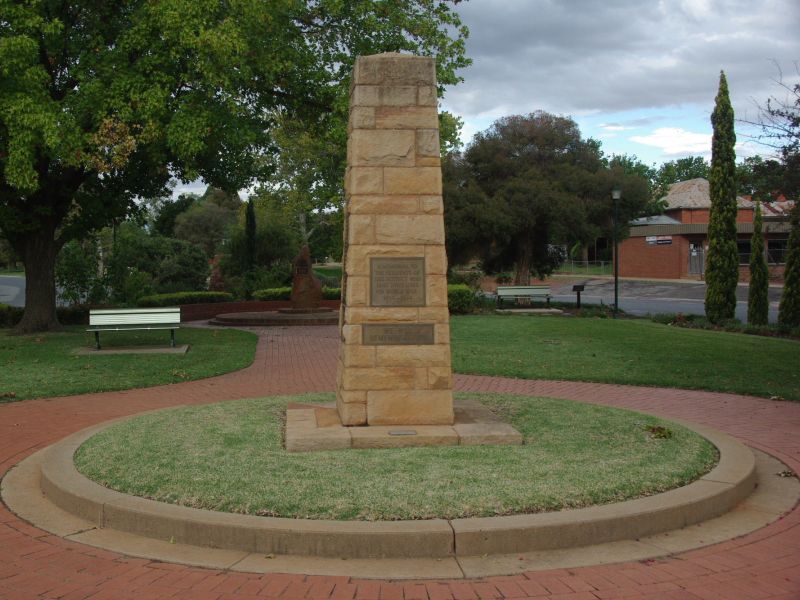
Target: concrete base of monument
point(312, 427)
point(282, 317)
point(742, 494)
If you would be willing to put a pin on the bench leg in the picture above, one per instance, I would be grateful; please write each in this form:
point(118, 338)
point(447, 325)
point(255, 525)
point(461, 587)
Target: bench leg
point(172, 337)
point(97, 340)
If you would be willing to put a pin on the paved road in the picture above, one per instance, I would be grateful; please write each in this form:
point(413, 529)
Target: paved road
point(651, 297)
point(12, 290)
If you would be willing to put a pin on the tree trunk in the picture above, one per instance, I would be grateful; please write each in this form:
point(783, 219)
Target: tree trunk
point(39, 251)
point(522, 276)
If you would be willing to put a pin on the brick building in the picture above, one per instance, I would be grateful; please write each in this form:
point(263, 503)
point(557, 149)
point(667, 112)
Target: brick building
point(673, 245)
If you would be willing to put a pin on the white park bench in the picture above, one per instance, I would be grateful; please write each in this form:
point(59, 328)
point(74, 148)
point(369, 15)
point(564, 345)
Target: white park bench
point(523, 292)
point(127, 319)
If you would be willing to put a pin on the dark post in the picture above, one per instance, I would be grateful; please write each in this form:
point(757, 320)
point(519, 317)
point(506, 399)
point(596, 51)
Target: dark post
point(616, 194)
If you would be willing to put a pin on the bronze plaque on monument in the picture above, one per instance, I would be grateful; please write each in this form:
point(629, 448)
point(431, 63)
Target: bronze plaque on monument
point(379, 334)
point(397, 282)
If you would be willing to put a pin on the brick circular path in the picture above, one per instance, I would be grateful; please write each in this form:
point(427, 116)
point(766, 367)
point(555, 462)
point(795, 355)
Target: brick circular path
point(35, 564)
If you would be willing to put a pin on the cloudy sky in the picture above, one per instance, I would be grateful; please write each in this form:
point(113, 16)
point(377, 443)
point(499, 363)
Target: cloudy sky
point(639, 75)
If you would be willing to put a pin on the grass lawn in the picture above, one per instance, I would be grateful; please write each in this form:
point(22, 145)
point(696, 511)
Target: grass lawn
point(636, 352)
point(12, 273)
point(229, 457)
point(329, 271)
point(42, 365)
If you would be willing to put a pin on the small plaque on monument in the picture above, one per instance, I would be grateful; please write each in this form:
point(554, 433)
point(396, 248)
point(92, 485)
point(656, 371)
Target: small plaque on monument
point(397, 282)
point(379, 334)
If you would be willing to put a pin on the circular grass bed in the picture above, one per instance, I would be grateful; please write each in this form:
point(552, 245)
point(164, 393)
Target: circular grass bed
point(230, 457)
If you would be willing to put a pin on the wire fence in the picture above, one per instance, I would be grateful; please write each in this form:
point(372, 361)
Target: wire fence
point(586, 267)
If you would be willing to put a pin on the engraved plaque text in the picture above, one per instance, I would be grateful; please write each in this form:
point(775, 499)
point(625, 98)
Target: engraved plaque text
point(379, 334)
point(397, 281)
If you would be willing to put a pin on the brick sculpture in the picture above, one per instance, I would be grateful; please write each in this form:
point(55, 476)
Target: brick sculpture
point(394, 358)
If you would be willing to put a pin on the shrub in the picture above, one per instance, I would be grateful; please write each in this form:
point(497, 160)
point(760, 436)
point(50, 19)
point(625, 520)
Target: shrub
point(331, 293)
point(177, 298)
point(67, 315)
point(460, 298)
point(9, 315)
point(281, 293)
point(471, 278)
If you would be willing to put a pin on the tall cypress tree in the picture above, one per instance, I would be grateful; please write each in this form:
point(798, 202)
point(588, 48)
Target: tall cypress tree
point(789, 309)
point(722, 269)
point(757, 297)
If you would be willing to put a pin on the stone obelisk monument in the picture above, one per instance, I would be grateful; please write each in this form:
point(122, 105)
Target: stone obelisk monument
point(394, 358)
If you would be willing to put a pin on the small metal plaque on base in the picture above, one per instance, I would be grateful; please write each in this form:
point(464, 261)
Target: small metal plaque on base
point(397, 281)
point(379, 334)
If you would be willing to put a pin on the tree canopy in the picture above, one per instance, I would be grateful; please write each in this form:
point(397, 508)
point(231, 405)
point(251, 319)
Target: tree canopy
point(527, 184)
point(101, 103)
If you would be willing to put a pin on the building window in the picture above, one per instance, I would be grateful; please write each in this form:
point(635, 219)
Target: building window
point(744, 252)
point(776, 251)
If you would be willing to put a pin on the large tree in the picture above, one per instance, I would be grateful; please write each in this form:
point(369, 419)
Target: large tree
point(526, 185)
point(104, 102)
point(722, 269)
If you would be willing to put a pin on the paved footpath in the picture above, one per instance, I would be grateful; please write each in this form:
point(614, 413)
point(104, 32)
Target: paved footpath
point(35, 564)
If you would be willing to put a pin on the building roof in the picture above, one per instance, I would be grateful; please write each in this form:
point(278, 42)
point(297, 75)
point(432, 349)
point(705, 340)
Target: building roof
point(695, 193)
point(654, 220)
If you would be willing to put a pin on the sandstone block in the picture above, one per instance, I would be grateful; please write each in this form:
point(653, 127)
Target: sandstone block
point(434, 314)
point(361, 228)
point(394, 68)
point(431, 205)
point(435, 260)
point(378, 378)
point(382, 437)
point(419, 180)
point(442, 333)
point(437, 290)
point(427, 95)
point(380, 147)
point(351, 413)
point(394, 314)
point(352, 397)
point(364, 180)
point(358, 356)
point(413, 356)
point(428, 142)
point(365, 95)
point(357, 256)
point(351, 334)
point(363, 117)
point(428, 161)
point(404, 229)
point(406, 117)
point(391, 205)
point(397, 95)
point(440, 378)
point(393, 407)
point(357, 291)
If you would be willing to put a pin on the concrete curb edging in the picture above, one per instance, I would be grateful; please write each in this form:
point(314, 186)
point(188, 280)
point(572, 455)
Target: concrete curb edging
point(732, 480)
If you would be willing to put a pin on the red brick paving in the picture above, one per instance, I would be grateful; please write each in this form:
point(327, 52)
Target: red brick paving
point(34, 564)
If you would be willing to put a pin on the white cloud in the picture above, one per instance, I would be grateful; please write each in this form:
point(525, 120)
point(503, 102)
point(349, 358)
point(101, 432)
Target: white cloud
point(580, 56)
point(674, 141)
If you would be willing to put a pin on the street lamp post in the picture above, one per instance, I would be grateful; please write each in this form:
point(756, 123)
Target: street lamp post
point(616, 194)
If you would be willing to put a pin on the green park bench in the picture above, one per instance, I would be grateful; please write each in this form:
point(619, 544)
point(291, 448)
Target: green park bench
point(524, 293)
point(127, 319)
